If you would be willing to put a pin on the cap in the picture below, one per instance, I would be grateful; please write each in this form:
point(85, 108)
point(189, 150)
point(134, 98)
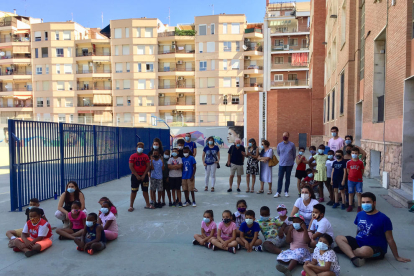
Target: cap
point(281, 206)
point(296, 216)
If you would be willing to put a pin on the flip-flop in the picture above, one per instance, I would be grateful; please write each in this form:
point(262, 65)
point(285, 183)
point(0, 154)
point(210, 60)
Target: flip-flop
point(212, 189)
point(269, 192)
point(151, 207)
point(247, 191)
point(206, 189)
point(252, 191)
point(260, 192)
point(131, 209)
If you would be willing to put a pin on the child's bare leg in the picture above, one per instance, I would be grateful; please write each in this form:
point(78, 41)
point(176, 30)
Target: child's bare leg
point(19, 244)
point(173, 195)
point(330, 190)
point(248, 181)
point(237, 232)
point(159, 196)
point(192, 195)
point(232, 244)
point(336, 195)
point(261, 185)
point(320, 185)
point(11, 233)
point(351, 199)
point(258, 242)
point(309, 271)
point(79, 242)
point(187, 198)
point(298, 185)
point(343, 196)
point(292, 264)
point(359, 199)
point(253, 181)
point(217, 243)
point(270, 247)
point(78, 234)
point(65, 232)
point(199, 238)
point(178, 195)
point(169, 195)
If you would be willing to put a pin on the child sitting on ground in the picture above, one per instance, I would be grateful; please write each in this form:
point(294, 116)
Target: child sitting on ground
point(165, 179)
point(319, 225)
point(157, 166)
point(249, 232)
point(36, 234)
point(208, 230)
point(108, 221)
point(112, 207)
point(309, 181)
point(17, 233)
point(239, 215)
point(324, 260)
point(269, 228)
point(282, 219)
point(298, 253)
point(226, 234)
point(93, 237)
point(77, 220)
point(328, 185)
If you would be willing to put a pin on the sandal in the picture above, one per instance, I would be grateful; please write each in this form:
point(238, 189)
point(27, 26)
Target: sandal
point(269, 192)
point(206, 189)
point(150, 207)
point(131, 209)
point(260, 192)
point(212, 189)
point(252, 191)
point(195, 190)
point(248, 191)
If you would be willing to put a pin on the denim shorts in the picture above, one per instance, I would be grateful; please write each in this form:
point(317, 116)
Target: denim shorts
point(354, 185)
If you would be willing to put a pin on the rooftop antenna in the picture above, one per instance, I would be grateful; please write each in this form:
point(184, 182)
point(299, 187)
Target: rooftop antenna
point(212, 7)
point(169, 17)
point(102, 20)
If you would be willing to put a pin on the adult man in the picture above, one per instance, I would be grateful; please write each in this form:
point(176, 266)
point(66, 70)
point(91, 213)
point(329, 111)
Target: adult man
point(235, 161)
point(287, 154)
point(190, 144)
point(374, 234)
point(336, 142)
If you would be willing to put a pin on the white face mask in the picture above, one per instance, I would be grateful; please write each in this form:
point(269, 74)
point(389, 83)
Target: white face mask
point(186, 154)
point(304, 196)
point(249, 221)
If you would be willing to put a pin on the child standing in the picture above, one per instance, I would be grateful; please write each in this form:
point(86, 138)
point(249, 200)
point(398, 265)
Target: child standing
point(157, 166)
point(108, 220)
point(298, 253)
point(175, 165)
point(328, 185)
point(77, 220)
point(301, 167)
point(249, 232)
point(139, 164)
point(312, 150)
point(270, 230)
point(320, 225)
point(239, 215)
point(208, 230)
point(320, 171)
point(355, 170)
point(324, 260)
point(189, 170)
point(165, 179)
point(226, 234)
point(338, 178)
point(93, 238)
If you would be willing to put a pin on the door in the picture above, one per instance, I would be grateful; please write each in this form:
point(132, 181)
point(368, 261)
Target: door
point(84, 51)
point(166, 49)
point(29, 86)
point(86, 85)
point(9, 102)
point(188, 66)
point(107, 85)
point(85, 68)
point(167, 101)
point(189, 100)
point(188, 48)
point(189, 83)
point(107, 68)
point(167, 84)
point(252, 65)
point(166, 66)
point(303, 138)
point(106, 51)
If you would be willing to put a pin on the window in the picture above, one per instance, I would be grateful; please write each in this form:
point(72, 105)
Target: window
point(212, 28)
point(149, 67)
point(126, 32)
point(125, 50)
point(141, 84)
point(47, 69)
point(237, 82)
point(341, 105)
point(127, 84)
point(38, 36)
point(235, 99)
point(45, 86)
point(333, 104)
point(142, 117)
point(139, 101)
point(237, 46)
point(381, 106)
point(69, 52)
point(137, 32)
point(128, 67)
point(117, 50)
point(211, 47)
point(203, 99)
point(36, 52)
point(293, 42)
point(278, 42)
point(38, 69)
point(328, 108)
point(59, 52)
point(289, 59)
point(139, 69)
point(127, 117)
point(148, 32)
point(278, 77)
point(151, 49)
point(213, 65)
point(235, 28)
point(39, 102)
point(68, 68)
point(292, 77)
point(46, 36)
point(62, 118)
point(224, 28)
point(226, 82)
point(225, 99)
point(69, 102)
point(200, 47)
point(119, 101)
point(118, 33)
point(71, 118)
point(56, 35)
point(118, 67)
point(141, 49)
point(152, 84)
point(150, 101)
point(224, 64)
point(66, 35)
point(278, 60)
point(45, 52)
point(211, 82)
point(117, 84)
point(227, 46)
point(203, 65)
point(60, 85)
point(48, 102)
point(235, 64)
point(57, 68)
point(343, 23)
point(202, 29)
point(324, 110)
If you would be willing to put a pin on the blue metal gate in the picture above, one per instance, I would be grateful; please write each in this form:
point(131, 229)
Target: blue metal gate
point(45, 156)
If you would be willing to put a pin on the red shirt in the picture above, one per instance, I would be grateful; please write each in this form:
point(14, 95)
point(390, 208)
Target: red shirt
point(140, 162)
point(301, 166)
point(355, 170)
point(42, 228)
point(309, 180)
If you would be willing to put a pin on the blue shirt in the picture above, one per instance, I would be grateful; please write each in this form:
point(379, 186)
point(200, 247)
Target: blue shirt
point(236, 156)
point(191, 146)
point(188, 168)
point(371, 229)
point(338, 174)
point(287, 153)
point(211, 154)
point(156, 173)
point(249, 231)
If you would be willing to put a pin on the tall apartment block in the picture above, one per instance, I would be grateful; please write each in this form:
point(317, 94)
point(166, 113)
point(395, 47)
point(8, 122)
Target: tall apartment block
point(134, 69)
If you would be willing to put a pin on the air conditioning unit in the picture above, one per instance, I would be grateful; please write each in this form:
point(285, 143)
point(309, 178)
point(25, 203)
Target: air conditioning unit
point(246, 76)
point(180, 78)
point(181, 95)
point(174, 111)
point(180, 62)
point(247, 40)
point(285, 47)
point(180, 112)
point(246, 57)
point(173, 43)
point(161, 95)
point(173, 46)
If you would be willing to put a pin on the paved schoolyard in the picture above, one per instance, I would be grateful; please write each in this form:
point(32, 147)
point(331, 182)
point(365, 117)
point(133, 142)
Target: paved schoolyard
point(158, 242)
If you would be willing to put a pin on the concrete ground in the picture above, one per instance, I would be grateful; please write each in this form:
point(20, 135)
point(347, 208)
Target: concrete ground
point(159, 242)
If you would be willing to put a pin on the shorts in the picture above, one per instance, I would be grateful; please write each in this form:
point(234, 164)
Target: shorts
point(338, 185)
point(278, 242)
point(236, 168)
point(188, 185)
point(352, 186)
point(166, 183)
point(135, 184)
point(156, 185)
point(76, 230)
point(175, 183)
point(300, 174)
point(18, 232)
point(378, 252)
point(44, 244)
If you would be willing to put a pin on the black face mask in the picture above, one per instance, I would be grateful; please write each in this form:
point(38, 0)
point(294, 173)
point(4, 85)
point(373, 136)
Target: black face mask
point(226, 220)
point(338, 156)
point(156, 156)
point(348, 152)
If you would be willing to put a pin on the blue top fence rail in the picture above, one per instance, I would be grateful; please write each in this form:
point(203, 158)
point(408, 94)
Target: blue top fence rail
point(45, 156)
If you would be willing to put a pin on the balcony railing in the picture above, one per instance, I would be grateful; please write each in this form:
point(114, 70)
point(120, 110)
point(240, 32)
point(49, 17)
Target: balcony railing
point(8, 21)
point(161, 68)
point(8, 89)
point(290, 83)
point(289, 65)
point(21, 105)
point(252, 47)
point(173, 86)
point(178, 49)
point(166, 34)
point(164, 102)
point(289, 47)
point(14, 39)
point(177, 33)
point(91, 71)
point(253, 30)
point(253, 67)
point(16, 56)
point(91, 53)
point(281, 30)
point(91, 87)
point(256, 84)
point(4, 73)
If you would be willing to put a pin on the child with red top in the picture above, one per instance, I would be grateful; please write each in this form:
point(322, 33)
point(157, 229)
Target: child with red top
point(112, 207)
point(208, 230)
point(226, 234)
point(355, 170)
point(309, 181)
point(301, 168)
point(77, 220)
point(36, 235)
point(139, 164)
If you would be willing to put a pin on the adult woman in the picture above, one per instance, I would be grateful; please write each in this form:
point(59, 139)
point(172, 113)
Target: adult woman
point(265, 171)
point(210, 157)
point(304, 204)
point(71, 194)
point(252, 164)
point(156, 144)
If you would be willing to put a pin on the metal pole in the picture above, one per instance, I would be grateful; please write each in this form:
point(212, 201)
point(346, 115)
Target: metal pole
point(62, 159)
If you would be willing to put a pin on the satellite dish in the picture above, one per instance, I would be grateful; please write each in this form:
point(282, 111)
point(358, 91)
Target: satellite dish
point(244, 47)
point(2, 53)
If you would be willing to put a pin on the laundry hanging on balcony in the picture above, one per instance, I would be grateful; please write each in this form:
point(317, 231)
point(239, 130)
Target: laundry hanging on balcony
point(300, 59)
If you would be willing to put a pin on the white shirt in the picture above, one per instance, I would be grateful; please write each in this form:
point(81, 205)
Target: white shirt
point(43, 230)
point(306, 211)
point(323, 226)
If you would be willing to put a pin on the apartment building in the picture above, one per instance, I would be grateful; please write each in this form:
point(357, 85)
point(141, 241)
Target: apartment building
point(369, 85)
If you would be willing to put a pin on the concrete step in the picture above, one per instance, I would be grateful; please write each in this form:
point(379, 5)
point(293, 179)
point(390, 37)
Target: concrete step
point(407, 187)
point(404, 198)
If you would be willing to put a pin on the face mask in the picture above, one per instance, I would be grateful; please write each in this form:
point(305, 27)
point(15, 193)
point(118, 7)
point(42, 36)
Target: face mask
point(71, 190)
point(35, 220)
point(334, 134)
point(250, 144)
point(186, 154)
point(226, 221)
point(348, 152)
point(301, 153)
point(30, 207)
point(330, 156)
point(338, 157)
point(156, 156)
point(166, 156)
point(285, 138)
point(262, 147)
point(155, 147)
point(367, 207)
point(187, 138)
point(206, 220)
point(241, 210)
point(174, 154)
point(104, 210)
point(140, 150)
point(322, 246)
point(310, 175)
point(354, 156)
point(348, 142)
point(320, 151)
point(237, 145)
point(75, 211)
point(210, 142)
point(249, 221)
point(312, 152)
point(282, 213)
point(304, 196)
point(180, 147)
point(264, 218)
point(296, 226)
point(89, 223)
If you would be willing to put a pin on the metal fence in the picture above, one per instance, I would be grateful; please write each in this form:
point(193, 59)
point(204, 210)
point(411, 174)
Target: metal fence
point(44, 156)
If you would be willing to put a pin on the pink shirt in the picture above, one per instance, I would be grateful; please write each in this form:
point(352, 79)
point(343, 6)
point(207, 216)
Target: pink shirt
point(77, 223)
point(110, 216)
point(209, 228)
point(336, 144)
point(227, 231)
point(298, 240)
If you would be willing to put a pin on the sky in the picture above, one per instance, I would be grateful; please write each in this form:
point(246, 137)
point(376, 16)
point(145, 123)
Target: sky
point(89, 13)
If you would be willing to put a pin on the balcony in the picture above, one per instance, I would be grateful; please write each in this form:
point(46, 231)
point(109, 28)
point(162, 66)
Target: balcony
point(176, 86)
point(253, 33)
point(279, 49)
point(8, 21)
point(253, 48)
point(289, 66)
point(7, 59)
point(93, 71)
point(177, 33)
point(8, 39)
point(91, 53)
point(7, 88)
point(93, 87)
point(299, 83)
point(183, 68)
point(95, 102)
point(17, 103)
point(179, 49)
point(283, 31)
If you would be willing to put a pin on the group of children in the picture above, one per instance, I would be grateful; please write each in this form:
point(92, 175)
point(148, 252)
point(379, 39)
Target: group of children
point(341, 173)
point(89, 232)
point(241, 230)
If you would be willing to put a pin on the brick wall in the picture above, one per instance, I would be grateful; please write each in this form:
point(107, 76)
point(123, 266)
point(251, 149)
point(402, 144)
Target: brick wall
point(253, 116)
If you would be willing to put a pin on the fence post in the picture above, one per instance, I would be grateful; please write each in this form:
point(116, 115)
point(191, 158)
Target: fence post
point(62, 158)
point(12, 159)
point(95, 158)
point(117, 150)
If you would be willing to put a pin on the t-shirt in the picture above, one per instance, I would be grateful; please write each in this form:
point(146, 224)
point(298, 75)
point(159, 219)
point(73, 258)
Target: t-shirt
point(191, 146)
point(227, 231)
point(166, 171)
point(269, 227)
point(328, 165)
point(156, 173)
point(28, 211)
point(306, 211)
point(323, 226)
point(77, 223)
point(207, 229)
point(328, 256)
point(175, 173)
point(42, 229)
point(188, 168)
point(114, 226)
point(140, 162)
point(236, 156)
point(301, 166)
point(355, 170)
point(336, 144)
point(238, 218)
point(211, 154)
point(338, 173)
point(249, 231)
point(371, 229)
point(309, 180)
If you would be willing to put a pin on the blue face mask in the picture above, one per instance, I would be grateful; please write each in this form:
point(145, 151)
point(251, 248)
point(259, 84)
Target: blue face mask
point(174, 154)
point(264, 218)
point(71, 190)
point(89, 223)
point(104, 210)
point(296, 226)
point(250, 144)
point(330, 156)
point(312, 152)
point(301, 153)
point(140, 150)
point(367, 207)
point(320, 151)
point(310, 175)
point(210, 142)
point(322, 246)
point(354, 156)
point(187, 138)
point(206, 220)
point(348, 142)
point(30, 207)
point(237, 145)
point(262, 147)
point(155, 147)
point(334, 134)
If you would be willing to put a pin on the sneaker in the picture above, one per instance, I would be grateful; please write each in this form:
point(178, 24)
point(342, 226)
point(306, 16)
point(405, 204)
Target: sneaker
point(163, 204)
point(229, 190)
point(258, 248)
point(31, 253)
point(286, 194)
point(359, 209)
point(174, 204)
point(350, 208)
point(238, 190)
point(303, 273)
point(79, 248)
point(195, 242)
point(159, 205)
point(185, 204)
point(170, 204)
point(335, 205)
point(238, 247)
point(276, 195)
point(321, 199)
point(180, 205)
point(207, 245)
point(212, 247)
point(346, 205)
point(194, 204)
point(358, 262)
point(343, 207)
point(330, 203)
point(283, 269)
point(232, 250)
